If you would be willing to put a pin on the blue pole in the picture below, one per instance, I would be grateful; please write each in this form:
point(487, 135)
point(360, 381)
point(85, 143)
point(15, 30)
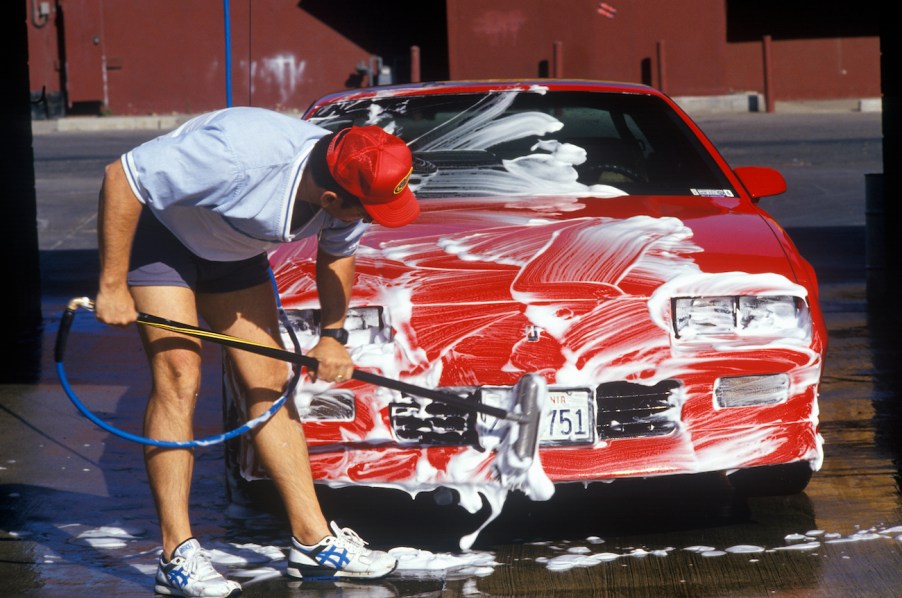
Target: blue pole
point(228, 52)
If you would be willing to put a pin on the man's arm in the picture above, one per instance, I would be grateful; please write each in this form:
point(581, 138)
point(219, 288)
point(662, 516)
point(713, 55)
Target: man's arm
point(334, 279)
point(117, 218)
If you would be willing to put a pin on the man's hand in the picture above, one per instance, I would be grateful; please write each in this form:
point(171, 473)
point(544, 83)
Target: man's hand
point(116, 307)
point(335, 363)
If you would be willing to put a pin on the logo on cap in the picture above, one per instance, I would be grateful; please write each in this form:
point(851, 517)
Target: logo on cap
point(400, 186)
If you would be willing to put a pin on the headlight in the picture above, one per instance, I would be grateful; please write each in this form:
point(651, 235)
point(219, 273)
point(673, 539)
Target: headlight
point(751, 391)
point(759, 316)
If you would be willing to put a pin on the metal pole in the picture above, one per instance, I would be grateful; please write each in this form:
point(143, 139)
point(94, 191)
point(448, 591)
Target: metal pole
point(414, 64)
point(768, 74)
point(558, 60)
point(228, 52)
point(662, 66)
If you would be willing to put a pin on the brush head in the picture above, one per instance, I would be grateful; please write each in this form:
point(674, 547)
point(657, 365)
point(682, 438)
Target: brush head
point(517, 465)
point(530, 395)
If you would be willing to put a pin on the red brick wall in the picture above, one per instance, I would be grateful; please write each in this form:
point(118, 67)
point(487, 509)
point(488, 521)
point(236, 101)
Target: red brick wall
point(168, 56)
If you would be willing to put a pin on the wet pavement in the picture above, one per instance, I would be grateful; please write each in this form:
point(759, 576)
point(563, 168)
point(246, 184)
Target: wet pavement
point(76, 516)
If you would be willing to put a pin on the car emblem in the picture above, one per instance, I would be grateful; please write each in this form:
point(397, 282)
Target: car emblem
point(532, 333)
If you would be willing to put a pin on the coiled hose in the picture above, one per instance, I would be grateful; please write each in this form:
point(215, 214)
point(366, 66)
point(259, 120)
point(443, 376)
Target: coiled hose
point(59, 353)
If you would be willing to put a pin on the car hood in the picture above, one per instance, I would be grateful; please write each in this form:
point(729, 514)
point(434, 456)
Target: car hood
point(571, 240)
point(626, 244)
point(466, 282)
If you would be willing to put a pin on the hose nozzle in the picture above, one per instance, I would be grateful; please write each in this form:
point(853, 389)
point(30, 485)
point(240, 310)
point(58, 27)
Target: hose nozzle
point(66, 324)
point(83, 302)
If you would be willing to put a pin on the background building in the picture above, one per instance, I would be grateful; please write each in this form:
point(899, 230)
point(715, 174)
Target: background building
point(131, 57)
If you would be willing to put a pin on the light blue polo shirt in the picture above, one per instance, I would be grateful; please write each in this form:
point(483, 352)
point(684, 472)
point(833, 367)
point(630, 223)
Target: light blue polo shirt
point(225, 184)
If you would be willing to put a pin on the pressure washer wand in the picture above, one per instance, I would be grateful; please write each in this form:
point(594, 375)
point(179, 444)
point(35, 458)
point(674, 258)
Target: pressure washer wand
point(529, 394)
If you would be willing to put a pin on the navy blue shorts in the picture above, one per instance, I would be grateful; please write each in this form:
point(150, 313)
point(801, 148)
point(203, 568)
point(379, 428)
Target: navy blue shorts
point(159, 259)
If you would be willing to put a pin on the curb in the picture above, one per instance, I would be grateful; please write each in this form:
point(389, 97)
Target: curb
point(109, 123)
point(693, 105)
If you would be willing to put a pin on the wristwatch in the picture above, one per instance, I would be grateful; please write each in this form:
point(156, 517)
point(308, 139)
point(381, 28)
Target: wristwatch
point(339, 334)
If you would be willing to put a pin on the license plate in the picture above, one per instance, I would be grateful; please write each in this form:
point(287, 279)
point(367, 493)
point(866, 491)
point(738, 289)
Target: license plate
point(570, 418)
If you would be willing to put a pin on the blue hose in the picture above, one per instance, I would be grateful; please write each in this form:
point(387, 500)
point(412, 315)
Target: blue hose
point(62, 335)
point(209, 440)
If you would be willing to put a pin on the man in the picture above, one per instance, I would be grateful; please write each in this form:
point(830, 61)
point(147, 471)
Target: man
point(184, 225)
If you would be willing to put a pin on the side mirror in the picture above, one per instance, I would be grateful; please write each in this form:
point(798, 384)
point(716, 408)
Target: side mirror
point(760, 181)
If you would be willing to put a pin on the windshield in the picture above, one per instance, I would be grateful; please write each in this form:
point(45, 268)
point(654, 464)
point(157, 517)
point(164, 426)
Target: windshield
point(539, 142)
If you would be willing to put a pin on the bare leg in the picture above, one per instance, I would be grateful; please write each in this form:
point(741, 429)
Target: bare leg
point(251, 314)
point(175, 365)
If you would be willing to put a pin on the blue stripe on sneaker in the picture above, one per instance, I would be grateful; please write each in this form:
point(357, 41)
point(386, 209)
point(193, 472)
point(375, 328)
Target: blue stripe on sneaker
point(177, 577)
point(336, 557)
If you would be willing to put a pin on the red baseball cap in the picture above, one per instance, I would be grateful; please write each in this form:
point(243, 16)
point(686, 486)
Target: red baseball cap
point(375, 167)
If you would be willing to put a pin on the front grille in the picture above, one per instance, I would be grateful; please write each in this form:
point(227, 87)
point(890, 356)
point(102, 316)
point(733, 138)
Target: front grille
point(433, 424)
point(629, 410)
point(624, 410)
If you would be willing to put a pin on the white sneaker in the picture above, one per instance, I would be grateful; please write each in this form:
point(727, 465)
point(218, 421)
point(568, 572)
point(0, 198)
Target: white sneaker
point(190, 573)
point(342, 555)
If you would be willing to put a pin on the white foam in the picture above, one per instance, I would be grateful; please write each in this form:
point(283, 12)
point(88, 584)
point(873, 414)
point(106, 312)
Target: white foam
point(411, 560)
point(252, 562)
point(745, 549)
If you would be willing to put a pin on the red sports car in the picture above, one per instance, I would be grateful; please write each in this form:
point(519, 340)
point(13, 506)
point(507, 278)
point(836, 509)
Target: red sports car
point(585, 231)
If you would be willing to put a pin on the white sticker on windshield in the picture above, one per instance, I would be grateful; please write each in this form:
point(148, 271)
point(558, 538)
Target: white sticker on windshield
point(712, 192)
